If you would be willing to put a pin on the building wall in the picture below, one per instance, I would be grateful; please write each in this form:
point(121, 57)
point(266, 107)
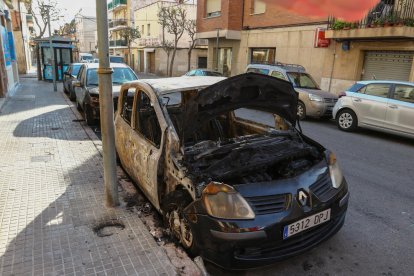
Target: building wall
point(85, 33)
point(149, 15)
point(293, 45)
point(230, 18)
point(349, 64)
point(180, 63)
point(273, 16)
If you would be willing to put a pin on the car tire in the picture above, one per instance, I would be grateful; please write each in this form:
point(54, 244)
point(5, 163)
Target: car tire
point(347, 120)
point(172, 204)
point(88, 115)
point(301, 111)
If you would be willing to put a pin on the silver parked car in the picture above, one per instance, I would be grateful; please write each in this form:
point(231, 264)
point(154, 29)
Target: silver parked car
point(313, 102)
point(383, 105)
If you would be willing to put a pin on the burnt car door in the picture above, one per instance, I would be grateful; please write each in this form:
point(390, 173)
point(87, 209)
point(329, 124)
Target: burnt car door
point(143, 143)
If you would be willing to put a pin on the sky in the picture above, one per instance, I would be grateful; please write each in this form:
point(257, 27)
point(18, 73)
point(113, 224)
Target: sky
point(71, 7)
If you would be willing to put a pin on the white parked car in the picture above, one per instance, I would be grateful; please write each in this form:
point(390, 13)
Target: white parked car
point(382, 105)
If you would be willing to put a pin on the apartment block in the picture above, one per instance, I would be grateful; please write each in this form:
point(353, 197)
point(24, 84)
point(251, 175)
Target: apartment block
point(249, 31)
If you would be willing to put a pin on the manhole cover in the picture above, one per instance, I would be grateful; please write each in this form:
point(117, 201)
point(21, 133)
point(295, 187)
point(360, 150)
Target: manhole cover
point(108, 228)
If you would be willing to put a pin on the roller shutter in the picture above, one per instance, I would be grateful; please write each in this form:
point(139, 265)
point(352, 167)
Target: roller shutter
point(387, 65)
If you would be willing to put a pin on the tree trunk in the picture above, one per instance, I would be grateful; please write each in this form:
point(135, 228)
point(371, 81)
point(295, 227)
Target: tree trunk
point(168, 62)
point(189, 59)
point(172, 58)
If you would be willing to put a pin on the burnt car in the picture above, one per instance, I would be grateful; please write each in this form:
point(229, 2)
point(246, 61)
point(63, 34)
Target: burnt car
point(239, 193)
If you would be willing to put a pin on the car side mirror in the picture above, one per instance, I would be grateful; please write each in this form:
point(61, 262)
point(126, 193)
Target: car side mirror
point(76, 84)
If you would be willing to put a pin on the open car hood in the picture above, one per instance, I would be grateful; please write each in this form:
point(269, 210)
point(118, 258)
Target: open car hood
point(249, 90)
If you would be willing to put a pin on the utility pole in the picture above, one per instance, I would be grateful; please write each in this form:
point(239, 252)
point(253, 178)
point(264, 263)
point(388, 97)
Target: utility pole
point(217, 49)
point(51, 48)
point(106, 106)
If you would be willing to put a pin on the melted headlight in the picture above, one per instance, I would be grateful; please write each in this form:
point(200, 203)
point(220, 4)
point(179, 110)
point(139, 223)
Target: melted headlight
point(222, 201)
point(335, 171)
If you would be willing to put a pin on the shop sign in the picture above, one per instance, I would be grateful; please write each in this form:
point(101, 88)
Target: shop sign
point(320, 40)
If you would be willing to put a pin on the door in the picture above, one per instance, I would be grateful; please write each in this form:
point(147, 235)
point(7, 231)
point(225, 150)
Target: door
point(400, 113)
point(141, 61)
point(387, 65)
point(79, 89)
point(371, 103)
point(146, 144)
point(152, 63)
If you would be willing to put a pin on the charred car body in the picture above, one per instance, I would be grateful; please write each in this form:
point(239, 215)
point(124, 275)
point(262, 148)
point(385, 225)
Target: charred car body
point(239, 193)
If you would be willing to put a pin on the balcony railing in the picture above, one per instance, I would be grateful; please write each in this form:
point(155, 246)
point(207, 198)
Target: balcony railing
point(117, 23)
point(115, 3)
point(386, 13)
point(118, 43)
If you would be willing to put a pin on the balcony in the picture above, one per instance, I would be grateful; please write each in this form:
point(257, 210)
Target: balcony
point(389, 19)
point(118, 43)
point(117, 5)
point(118, 24)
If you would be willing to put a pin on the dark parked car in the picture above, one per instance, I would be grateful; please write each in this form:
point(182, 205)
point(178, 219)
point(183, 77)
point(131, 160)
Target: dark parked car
point(87, 91)
point(203, 72)
point(68, 77)
point(239, 193)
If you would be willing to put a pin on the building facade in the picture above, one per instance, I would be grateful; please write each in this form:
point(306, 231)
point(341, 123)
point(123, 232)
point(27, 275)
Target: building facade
point(120, 17)
point(248, 31)
point(151, 57)
point(9, 76)
point(85, 33)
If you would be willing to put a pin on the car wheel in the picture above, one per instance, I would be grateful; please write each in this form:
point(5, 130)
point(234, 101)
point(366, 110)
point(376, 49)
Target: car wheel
point(179, 225)
point(301, 111)
point(88, 114)
point(347, 120)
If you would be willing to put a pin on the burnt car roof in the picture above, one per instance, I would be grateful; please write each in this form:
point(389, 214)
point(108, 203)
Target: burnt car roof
point(170, 85)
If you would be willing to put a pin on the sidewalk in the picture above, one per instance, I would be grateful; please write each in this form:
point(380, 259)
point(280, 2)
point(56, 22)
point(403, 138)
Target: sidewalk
point(51, 197)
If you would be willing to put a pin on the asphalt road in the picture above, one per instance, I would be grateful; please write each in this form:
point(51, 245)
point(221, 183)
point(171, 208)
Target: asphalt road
point(378, 235)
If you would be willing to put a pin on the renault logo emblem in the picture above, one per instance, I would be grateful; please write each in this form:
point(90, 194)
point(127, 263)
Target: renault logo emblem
point(303, 198)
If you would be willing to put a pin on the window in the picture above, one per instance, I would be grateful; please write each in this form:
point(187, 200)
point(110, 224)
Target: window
point(258, 71)
point(148, 29)
point(258, 6)
point(404, 93)
point(147, 122)
point(262, 55)
point(302, 80)
point(75, 70)
point(376, 89)
point(191, 73)
point(80, 73)
point(278, 75)
point(127, 102)
point(213, 8)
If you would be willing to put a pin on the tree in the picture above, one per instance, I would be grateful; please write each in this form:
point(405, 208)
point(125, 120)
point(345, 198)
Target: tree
point(173, 20)
point(129, 35)
point(39, 13)
point(191, 28)
point(67, 28)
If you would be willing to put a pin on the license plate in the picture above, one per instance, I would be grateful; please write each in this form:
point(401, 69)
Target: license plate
point(306, 223)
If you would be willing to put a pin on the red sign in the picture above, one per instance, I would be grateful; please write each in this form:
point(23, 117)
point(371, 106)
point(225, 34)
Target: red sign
point(320, 40)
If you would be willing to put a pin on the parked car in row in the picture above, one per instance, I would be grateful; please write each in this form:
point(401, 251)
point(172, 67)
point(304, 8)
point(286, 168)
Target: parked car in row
point(239, 193)
point(85, 57)
point(87, 90)
point(68, 77)
point(381, 105)
point(112, 59)
point(203, 72)
point(313, 102)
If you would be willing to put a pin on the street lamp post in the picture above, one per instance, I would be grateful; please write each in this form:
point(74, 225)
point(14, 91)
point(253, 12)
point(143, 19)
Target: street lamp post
point(51, 48)
point(106, 106)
